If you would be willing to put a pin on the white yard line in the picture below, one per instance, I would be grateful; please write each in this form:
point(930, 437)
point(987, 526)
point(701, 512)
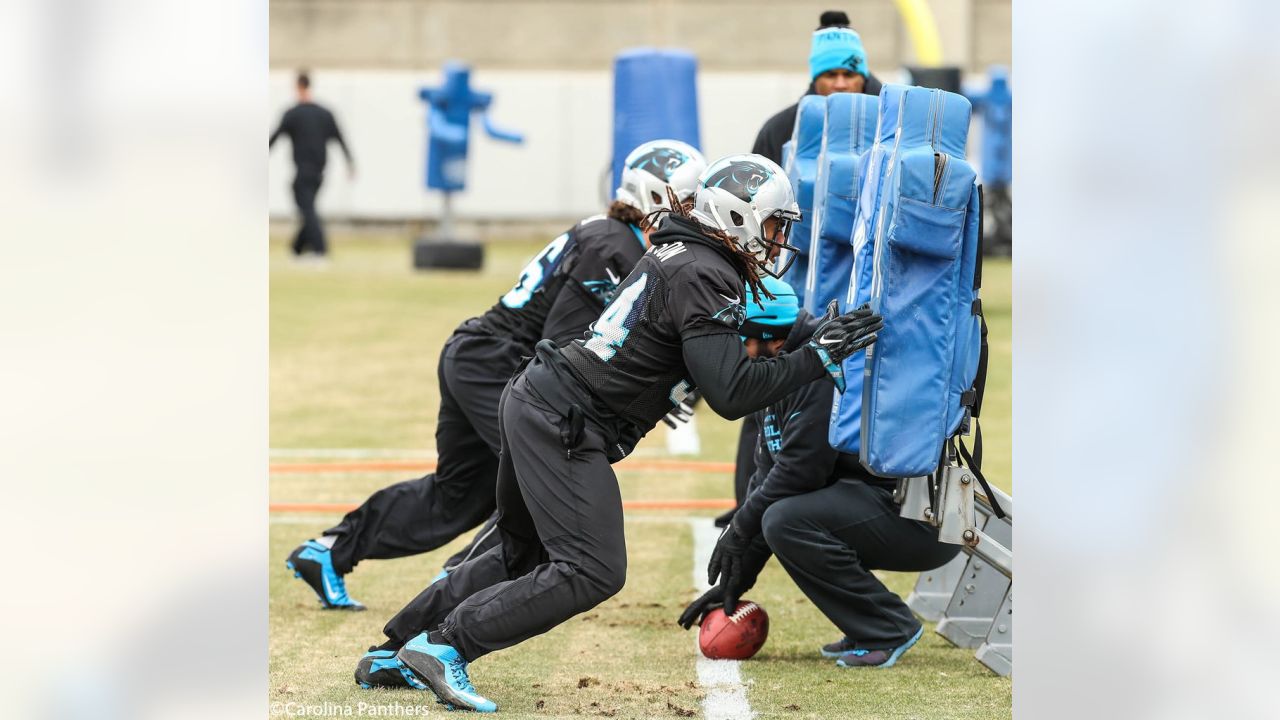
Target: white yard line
point(722, 679)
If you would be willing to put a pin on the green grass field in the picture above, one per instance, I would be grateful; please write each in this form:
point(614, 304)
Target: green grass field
point(353, 365)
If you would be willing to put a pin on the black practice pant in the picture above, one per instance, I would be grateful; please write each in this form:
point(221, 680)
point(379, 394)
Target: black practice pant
point(485, 538)
point(562, 550)
point(830, 540)
point(416, 516)
point(745, 465)
point(310, 237)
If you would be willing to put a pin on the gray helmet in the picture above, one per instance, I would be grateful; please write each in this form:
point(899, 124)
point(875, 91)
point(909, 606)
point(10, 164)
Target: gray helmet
point(653, 167)
point(737, 194)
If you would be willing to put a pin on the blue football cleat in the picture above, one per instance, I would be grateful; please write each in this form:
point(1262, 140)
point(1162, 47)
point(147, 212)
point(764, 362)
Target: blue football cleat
point(312, 562)
point(380, 668)
point(440, 669)
point(878, 658)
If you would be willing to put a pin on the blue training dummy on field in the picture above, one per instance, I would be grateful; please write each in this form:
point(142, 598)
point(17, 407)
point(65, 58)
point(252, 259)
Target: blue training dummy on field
point(848, 136)
point(449, 122)
point(845, 430)
point(923, 376)
point(802, 171)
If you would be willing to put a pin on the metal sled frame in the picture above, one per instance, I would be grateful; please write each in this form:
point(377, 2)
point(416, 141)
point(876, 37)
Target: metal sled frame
point(971, 597)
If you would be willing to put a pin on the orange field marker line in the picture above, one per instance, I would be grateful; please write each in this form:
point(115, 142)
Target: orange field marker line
point(429, 465)
point(714, 504)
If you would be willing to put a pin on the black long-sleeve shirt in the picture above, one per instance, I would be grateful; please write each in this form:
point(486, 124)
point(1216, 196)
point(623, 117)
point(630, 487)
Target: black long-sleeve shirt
point(310, 127)
point(658, 339)
point(672, 326)
point(733, 384)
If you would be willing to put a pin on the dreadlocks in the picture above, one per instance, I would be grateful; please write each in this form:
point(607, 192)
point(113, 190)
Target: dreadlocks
point(744, 263)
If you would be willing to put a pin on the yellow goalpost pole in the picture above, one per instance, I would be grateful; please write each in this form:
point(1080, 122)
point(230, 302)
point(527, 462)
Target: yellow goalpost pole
point(923, 30)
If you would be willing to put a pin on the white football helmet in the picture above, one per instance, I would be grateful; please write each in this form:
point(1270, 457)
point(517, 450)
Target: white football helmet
point(655, 165)
point(738, 194)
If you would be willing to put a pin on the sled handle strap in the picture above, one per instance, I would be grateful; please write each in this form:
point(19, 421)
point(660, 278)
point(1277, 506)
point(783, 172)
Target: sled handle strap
point(980, 377)
point(977, 266)
point(974, 463)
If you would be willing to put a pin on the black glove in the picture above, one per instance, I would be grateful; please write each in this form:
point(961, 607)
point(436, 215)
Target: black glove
point(699, 608)
point(844, 335)
point(726, 559)
point(839, 336)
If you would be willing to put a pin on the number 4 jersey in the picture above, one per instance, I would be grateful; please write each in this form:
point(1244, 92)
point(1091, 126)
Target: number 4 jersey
point(566, 285)
point(684, 287)
point(672, 325)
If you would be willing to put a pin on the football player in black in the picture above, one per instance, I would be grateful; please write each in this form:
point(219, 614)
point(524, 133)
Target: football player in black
point(559, 293)
point(829, 522)
point(672, 326)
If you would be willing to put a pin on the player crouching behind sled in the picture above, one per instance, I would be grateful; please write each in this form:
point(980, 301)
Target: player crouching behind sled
point(672, 326)
point(828, 520)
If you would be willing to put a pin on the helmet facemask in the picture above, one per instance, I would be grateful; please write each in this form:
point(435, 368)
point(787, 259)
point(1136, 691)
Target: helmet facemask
point(782, 252)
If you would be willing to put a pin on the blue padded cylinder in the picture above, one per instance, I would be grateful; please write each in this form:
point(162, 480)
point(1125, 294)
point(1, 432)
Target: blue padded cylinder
point(845, 432)
point(850, 133)
point(807, 136)
point(640, 114)
point(918, 384)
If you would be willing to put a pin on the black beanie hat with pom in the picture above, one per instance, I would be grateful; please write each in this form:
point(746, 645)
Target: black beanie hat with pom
point(833, 18)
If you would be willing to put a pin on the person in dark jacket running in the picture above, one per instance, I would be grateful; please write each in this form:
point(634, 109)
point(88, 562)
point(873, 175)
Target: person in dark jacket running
point(837, 63)
point(829, 522)
point(672, 326)
point(310, 127)
point(558, 294)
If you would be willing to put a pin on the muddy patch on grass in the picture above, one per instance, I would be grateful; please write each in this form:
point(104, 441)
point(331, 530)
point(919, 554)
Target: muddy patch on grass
point(680, 711)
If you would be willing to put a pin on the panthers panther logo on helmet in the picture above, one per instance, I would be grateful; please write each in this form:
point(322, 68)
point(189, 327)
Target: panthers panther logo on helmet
point(661, 162)
point(742, 179)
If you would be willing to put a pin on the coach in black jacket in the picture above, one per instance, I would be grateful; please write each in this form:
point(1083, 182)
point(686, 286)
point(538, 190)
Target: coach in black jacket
point(310, 127)
point(829, 522)
point(837, 63)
